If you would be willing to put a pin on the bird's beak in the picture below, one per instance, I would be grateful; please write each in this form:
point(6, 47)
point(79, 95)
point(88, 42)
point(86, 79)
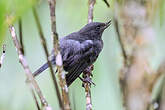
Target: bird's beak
point(107, 24)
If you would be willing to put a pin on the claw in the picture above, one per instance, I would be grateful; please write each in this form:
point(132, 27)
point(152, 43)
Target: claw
point(86, 76)
point(88, 80)
point(89, 70)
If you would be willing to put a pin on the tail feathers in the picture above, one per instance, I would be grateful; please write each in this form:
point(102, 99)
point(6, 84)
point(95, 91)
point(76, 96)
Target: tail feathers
point(43, 67)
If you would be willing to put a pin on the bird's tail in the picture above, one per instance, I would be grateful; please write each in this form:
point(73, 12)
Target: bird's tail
point(43, 67)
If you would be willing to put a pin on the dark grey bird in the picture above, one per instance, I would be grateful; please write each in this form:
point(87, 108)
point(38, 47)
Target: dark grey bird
point(79, 50)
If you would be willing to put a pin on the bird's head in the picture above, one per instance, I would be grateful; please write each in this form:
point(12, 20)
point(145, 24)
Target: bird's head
point(94, 30)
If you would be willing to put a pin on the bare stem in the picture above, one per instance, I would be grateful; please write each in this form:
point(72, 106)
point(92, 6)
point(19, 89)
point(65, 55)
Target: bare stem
point(87, 85)
point(61, 73)
point(35, 98)
point(21, 36)
point(43, 41)
point(106, 2)
point(88, 96)
point(3, 54)
point(91, 4)
point(27, 70)
point(87, 75)
point(120, 42)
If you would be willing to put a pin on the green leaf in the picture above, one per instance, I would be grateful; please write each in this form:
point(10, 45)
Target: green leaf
point(161, 10)
point(2, 21)
point(14, 9)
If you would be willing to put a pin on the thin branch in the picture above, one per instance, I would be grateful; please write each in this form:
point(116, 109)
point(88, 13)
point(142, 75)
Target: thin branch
point(91, 4)
point(3, 54)
point(35, 98)
point(20, 36)
point(106, 2)
point(120, 41)
point(27, 70)
point(43, 41)
point(87, 74)
point(61, 73)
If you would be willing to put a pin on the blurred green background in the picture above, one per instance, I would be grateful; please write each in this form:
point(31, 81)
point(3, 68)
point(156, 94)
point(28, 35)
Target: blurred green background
point(71, 16)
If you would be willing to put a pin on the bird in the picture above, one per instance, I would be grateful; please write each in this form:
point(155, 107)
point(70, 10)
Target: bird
point(79, 50)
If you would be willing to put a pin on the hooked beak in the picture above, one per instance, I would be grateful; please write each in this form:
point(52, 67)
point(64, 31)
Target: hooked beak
point(107, 24)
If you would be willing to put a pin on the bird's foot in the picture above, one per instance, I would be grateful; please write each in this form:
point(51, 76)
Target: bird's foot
point(87, 80)
point(89, 70)
point(87, 74)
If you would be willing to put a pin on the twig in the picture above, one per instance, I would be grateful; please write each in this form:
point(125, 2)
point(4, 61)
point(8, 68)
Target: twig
point(61, 73)
point(125, 60)
point(87, 85)
point(86, 75)
point(24, 63)
point(91, 4)
point(35, 98)
point(120, 42)
point(20, 36)
point(88, 96)
point(3, 54)
point(43, 41)
point(106, 2)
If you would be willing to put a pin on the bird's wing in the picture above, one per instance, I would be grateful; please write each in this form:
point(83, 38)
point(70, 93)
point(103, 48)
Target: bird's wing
point(80, 61)
point(68, 48)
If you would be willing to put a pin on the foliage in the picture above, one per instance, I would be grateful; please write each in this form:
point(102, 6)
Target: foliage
point(14, 9)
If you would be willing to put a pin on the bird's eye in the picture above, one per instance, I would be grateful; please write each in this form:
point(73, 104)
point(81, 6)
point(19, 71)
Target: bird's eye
point(98, 27)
